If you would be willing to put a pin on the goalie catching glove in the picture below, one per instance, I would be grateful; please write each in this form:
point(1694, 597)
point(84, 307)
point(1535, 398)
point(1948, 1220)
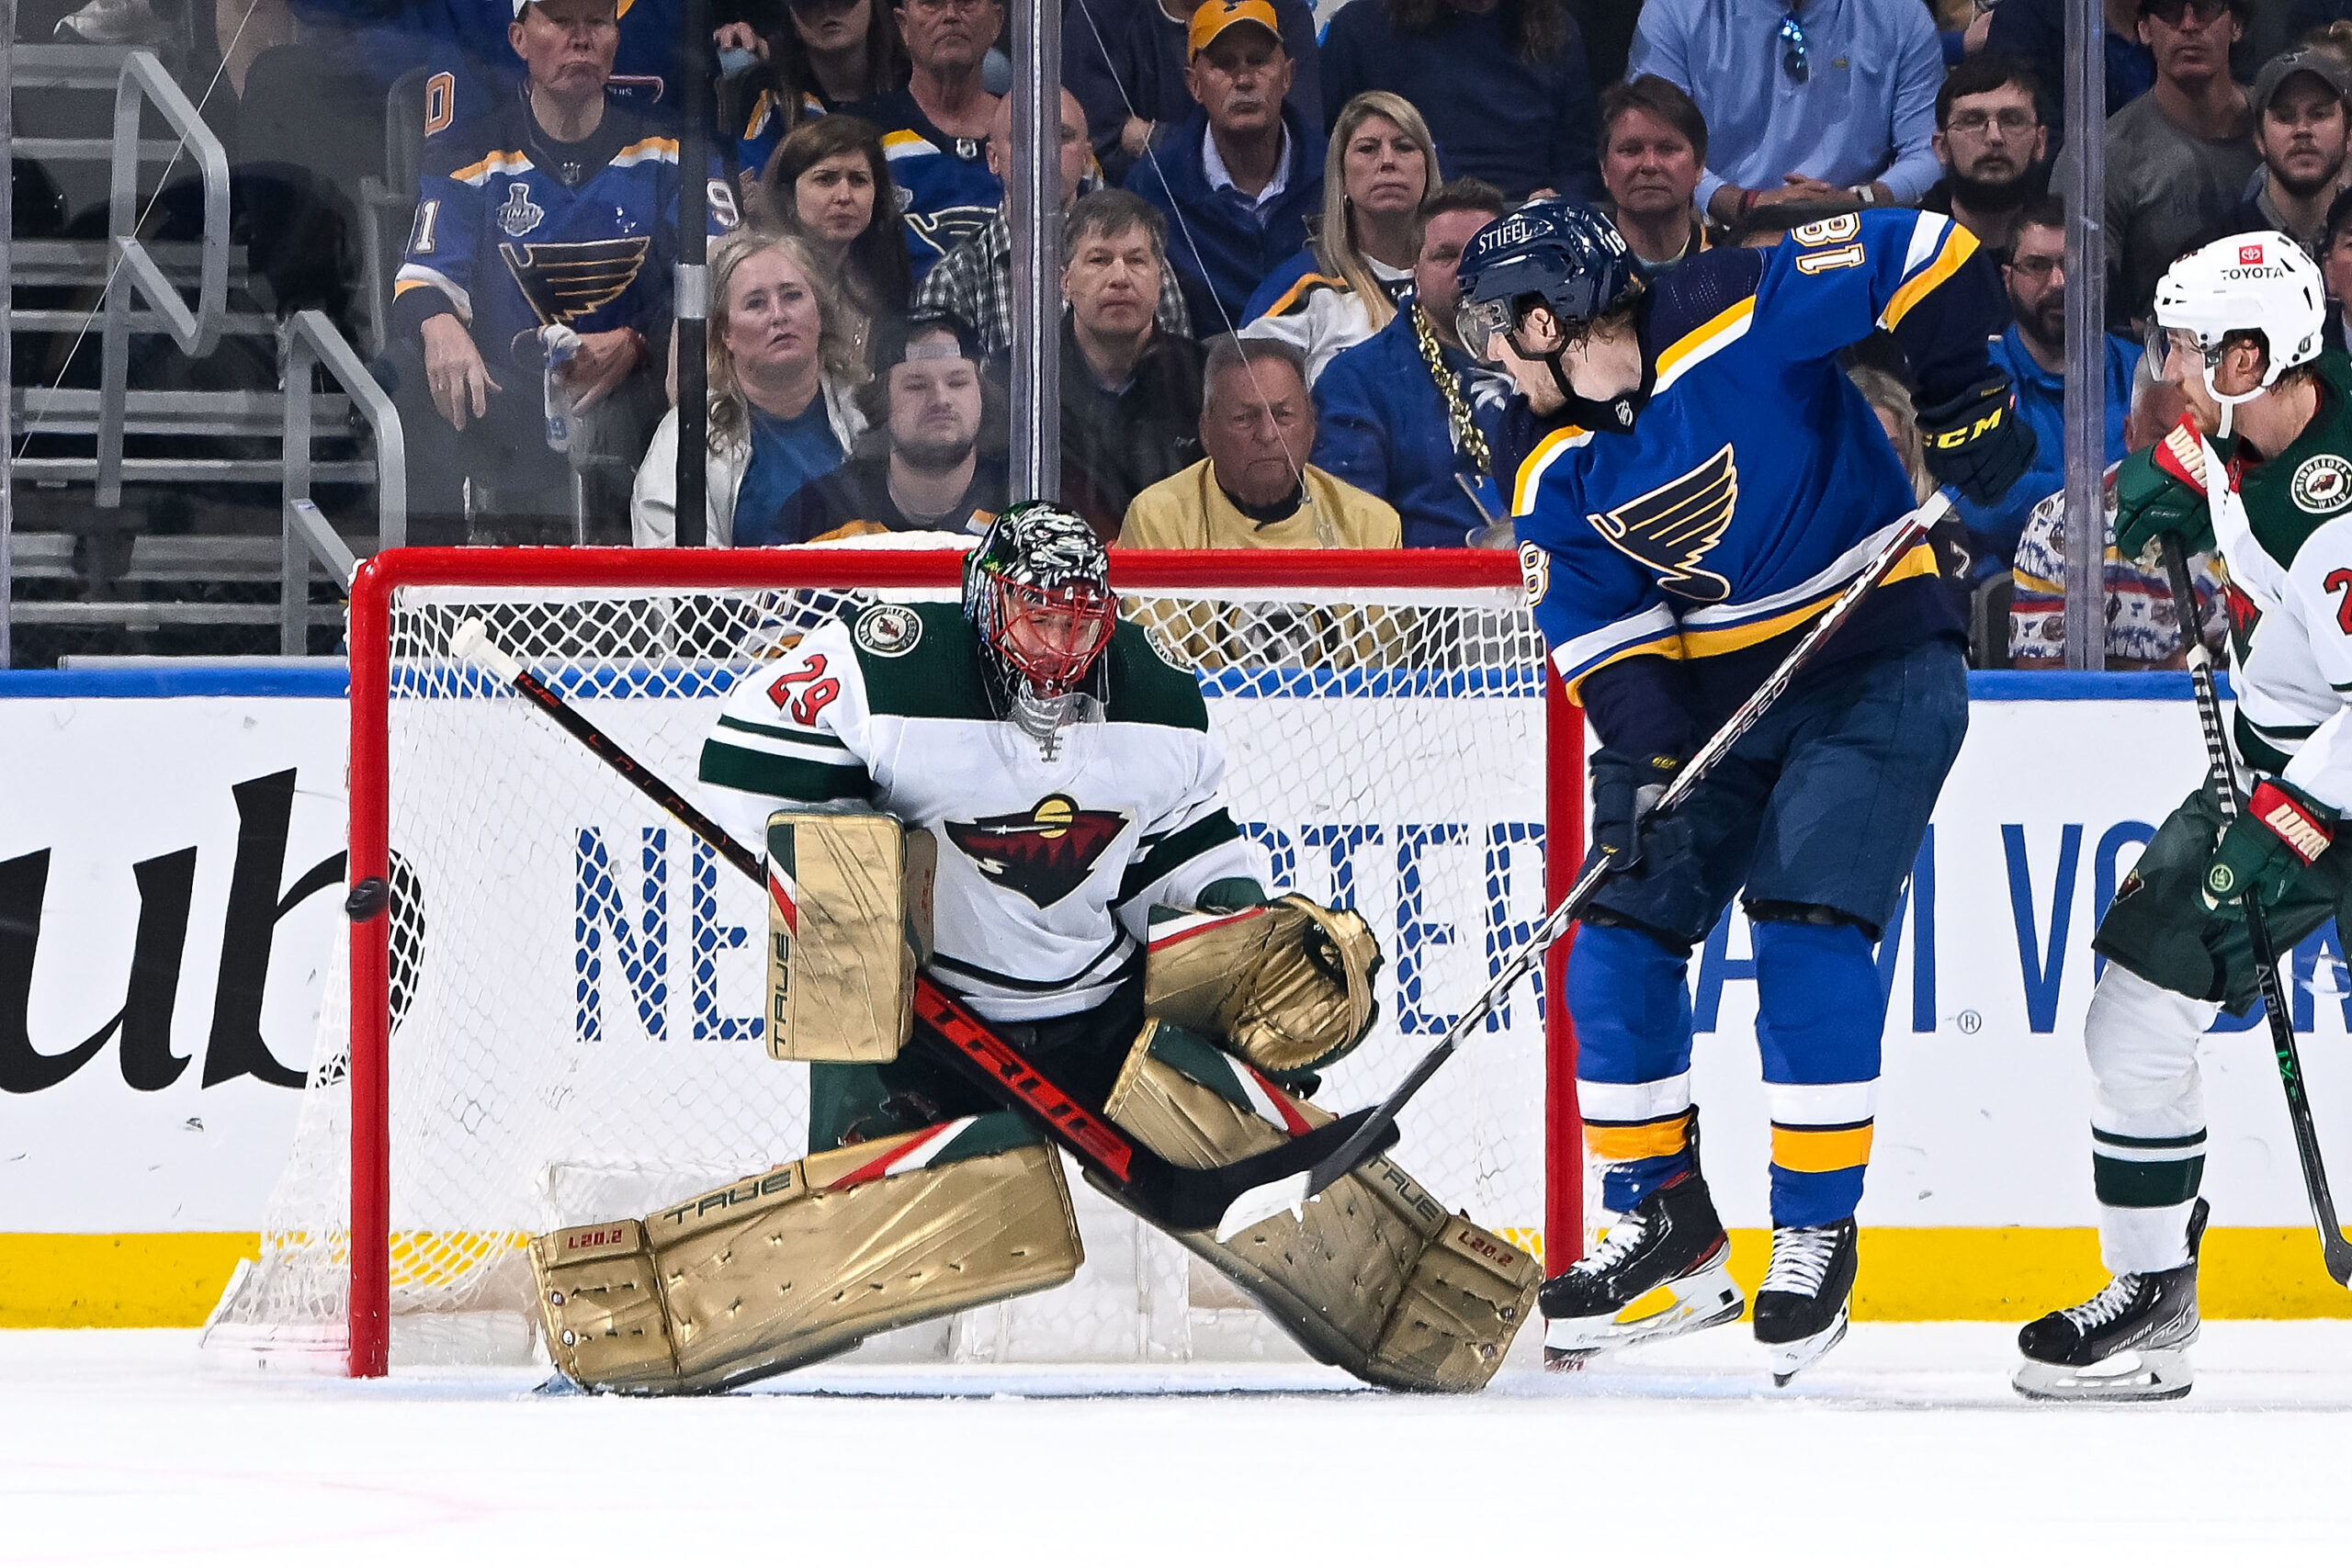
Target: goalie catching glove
point(1975, 442)
point(1287, 988)
point(2261, 853)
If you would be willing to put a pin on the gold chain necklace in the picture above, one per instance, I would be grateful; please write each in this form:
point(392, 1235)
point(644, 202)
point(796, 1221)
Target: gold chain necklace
point(1467, 436)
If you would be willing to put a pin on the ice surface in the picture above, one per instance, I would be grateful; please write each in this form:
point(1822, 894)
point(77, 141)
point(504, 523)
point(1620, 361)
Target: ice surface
point(1904, 1447)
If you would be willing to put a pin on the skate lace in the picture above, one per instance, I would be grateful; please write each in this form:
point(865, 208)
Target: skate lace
point(1801, 1260)
point(2106, 1306)
point(1616, 1247)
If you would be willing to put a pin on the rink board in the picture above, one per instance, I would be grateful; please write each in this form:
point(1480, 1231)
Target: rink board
point(166, 905)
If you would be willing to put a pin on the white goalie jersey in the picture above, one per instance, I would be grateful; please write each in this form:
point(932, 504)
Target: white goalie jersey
point(1048, 867)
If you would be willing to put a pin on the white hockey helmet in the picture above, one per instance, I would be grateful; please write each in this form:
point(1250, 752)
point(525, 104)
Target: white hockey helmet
point(2256, 282)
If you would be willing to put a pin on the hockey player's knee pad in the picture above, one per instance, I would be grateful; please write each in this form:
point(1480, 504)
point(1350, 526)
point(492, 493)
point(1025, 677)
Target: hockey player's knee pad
point(2142, 1043)
point(1817, 997)
point(1375, 1276)
point(794, 1263)
point(1632, 1010)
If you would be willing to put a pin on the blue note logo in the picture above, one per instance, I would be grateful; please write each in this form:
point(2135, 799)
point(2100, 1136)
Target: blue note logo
point(1671, 529)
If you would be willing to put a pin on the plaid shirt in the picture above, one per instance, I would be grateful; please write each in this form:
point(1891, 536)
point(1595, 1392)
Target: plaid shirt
point(975, 280)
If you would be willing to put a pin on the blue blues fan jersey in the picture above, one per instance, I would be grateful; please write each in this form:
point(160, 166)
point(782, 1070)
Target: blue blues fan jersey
point(515, 232)
point(1670, 563)
point(768, 122)
point(472, 66)
point(946, 191)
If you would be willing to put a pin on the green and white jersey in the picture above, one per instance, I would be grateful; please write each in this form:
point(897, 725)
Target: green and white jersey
point(2284, 530)
point(1047, 868)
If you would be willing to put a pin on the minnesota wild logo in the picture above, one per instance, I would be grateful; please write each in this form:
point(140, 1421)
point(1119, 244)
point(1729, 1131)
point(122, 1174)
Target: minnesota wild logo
point(1043, 853)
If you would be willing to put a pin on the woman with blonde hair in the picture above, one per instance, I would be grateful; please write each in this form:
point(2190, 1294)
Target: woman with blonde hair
point(1344, 287)
point(782, 372)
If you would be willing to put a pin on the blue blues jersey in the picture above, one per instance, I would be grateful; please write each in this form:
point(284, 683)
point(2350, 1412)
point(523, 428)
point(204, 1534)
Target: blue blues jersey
point(946, 191)
point(473, 67)
point(507, 242)
point(1669, 563)
point(768, 122)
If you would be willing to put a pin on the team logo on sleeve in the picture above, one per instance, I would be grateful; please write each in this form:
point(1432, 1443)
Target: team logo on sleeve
point(565, 282)
point(1043, 853)
point(2322, 484)
point(889, 630)
point(1671, 529)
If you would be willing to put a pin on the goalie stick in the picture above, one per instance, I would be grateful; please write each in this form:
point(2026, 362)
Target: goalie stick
point(1173, 1196)
point(2221, 776)
point(1291, 1191)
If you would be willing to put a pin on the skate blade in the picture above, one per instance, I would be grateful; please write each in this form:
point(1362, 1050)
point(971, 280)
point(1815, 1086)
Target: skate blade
point(1696, 1301)
point(2127, 1377)
point(1788, 1359)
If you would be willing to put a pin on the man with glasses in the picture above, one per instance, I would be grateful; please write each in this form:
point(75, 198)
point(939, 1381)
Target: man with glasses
point(1994, 145)
point(2033, 353)
point(935, 129)
point(2178, 159)
point(2300, 129)
point(1822, 100)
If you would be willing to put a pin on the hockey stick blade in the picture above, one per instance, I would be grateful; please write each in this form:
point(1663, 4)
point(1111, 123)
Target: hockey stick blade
point(1274, 1197)
point(2335, 1252)
point(1178, 1197)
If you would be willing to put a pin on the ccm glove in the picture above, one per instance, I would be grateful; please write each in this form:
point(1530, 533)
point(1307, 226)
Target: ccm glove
point(1625, 826)
point(2162, 490)
point(2282, 831)
point(1975, 442)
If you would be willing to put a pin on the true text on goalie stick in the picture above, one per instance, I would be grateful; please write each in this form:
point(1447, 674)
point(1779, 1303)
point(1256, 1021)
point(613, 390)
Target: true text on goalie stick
point(1171, 1195)
point(2334, 1251)
point(1289, 1192)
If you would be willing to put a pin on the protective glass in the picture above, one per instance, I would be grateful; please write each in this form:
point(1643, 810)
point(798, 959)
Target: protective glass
point(1052, 635)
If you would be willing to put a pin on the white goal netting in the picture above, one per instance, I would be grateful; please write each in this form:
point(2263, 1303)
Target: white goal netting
point(577, 983)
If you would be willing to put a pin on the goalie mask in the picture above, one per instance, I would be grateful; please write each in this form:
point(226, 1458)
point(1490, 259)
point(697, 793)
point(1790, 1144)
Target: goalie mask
point(1037, 592)
point(2259, 283)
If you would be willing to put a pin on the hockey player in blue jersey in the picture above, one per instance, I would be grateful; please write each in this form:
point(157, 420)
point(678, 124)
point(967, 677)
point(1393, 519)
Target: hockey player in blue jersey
point(559, 211)
point(1709, 482)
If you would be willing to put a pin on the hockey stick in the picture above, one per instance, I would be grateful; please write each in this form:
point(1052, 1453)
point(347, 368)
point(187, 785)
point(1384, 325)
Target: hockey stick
point(2334, 1251)
point(1173, 1196)
point(1291, 1191)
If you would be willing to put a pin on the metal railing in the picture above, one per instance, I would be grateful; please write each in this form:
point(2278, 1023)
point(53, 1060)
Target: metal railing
point(137, 272)
point(311, 341)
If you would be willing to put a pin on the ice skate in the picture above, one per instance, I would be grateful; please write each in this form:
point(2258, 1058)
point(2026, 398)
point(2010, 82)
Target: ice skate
point(1661, 1270)
point(1801, 1311)
point(2129, 1342)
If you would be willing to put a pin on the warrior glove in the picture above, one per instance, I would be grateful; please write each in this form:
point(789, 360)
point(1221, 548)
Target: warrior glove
point(2162, 490)
point(1625, 825)
point(2261, 853)
point(1975, 442)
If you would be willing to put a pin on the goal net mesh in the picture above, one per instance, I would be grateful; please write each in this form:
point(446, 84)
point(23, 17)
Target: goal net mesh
point(577, 983)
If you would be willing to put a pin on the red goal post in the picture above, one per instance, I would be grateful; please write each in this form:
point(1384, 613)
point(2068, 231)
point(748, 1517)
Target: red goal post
point(1331, 584)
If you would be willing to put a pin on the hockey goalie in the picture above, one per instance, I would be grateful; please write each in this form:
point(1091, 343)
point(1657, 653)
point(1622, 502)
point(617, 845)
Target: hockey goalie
point(1001, 792)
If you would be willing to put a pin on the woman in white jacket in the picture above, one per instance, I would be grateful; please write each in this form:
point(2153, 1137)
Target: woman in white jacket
point(783, 370)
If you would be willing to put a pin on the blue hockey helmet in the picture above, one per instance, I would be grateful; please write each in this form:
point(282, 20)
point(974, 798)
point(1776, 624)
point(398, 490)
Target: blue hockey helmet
point(1564, 252)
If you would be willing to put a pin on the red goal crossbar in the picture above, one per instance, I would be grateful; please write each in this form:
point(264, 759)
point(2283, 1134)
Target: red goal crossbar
point(382, 576)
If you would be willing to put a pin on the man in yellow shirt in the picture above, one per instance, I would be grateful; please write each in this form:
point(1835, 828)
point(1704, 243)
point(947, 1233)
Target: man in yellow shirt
point(1255, 489)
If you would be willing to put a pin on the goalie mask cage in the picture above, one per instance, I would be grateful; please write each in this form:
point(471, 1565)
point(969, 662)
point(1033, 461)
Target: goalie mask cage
point(557, 1020)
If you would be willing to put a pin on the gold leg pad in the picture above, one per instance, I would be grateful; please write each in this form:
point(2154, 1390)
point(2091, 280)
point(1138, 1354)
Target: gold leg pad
point(1376, 1277)
point(791, 1265)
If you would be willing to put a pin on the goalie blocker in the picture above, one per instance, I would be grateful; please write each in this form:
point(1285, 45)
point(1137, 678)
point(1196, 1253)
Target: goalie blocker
point(792, 1265)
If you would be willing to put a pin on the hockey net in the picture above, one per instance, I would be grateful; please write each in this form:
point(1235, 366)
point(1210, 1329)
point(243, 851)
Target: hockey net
point(561, 1019)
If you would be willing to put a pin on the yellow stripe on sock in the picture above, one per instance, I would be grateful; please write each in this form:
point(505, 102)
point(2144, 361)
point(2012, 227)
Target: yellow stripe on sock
point(1619, 1145)
point(1817, 1149)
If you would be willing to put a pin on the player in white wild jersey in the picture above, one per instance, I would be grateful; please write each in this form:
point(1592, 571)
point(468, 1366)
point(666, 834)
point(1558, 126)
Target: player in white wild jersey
point(1063, 773)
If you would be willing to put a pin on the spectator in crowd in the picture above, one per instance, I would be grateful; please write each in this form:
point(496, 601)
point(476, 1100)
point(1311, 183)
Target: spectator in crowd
point(1992, 145)
point(974, 282)
point(1502, 83)
point(2335, 268)
point(1238, 180)
point(1653, 149)
point(1125, 60)
point(1804, 104)
point(829, 184)
point(932, 408)
point(2143, 622)
point(1407, 415)
point(1899, 417)
point(935, 125)
point(782, 378)
point(2035, 32)
point(2032, 353)
point(1255, 487)
point(830, 55)
point(558, 211)
point(2300, 127)
point(1344, 287)
point(1131, 390)
point(2179, 157)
